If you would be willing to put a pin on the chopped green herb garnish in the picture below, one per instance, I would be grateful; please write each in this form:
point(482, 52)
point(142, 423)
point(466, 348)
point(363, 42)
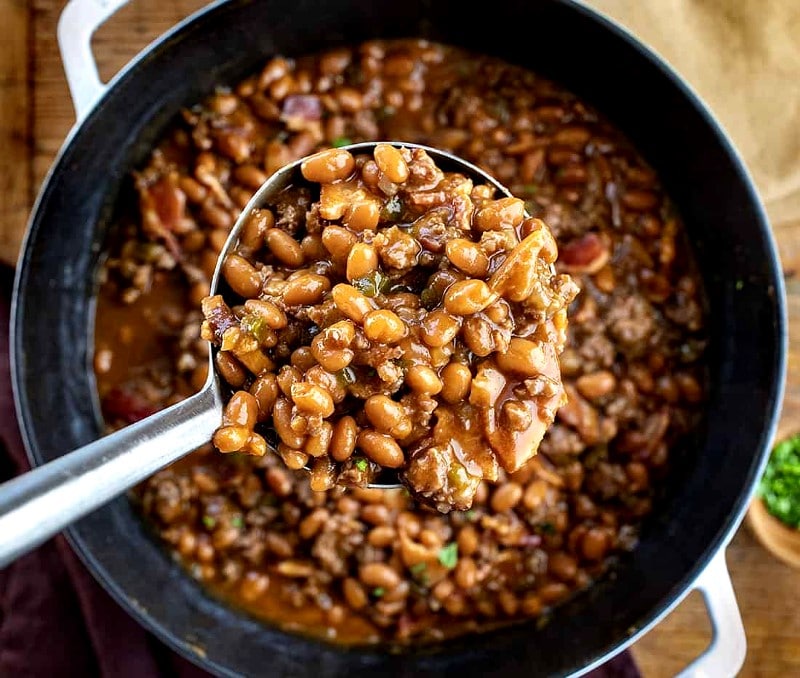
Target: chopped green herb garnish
point(430, 298)
point(739, 285)
point(255, 325)
point(373, 284)
point(237, 521)
point(378, 591)
point(362, 464)
point(545, 528)
point(780, 484)
point(392, 210)
point(348, 375)
point(338, 142)
point(448, 555)
point(470, 515)
point(530, 189)
point(209, 522)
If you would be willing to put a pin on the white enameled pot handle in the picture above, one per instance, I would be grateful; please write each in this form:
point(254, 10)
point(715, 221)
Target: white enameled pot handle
point(725, 654)
point(78, 21)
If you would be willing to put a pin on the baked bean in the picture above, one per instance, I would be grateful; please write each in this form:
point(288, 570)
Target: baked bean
point(381, 448)
point(294, 459)
point(384, 327)
point(253, 586)
point(323, 474)
point(319, 441)
point(313, 247)
point(361, 261)
point(231, 438)
point(423, 379)
point(468, 257)
point(506, 497)
point(439, 328)
point(230, 369)
point(194, 190)
point(255, 229)
point(594, 544)
point(285, 248)
point(351, 302)
point(640, 201)
point(553, 592)
point(271, 314)
point(312, 399)
point(306, 289)
point(303, 359)
point(241, 275)
point(241, 410)
point(354, 594)
point(328, 166)
point(332, 383)
point(479, 336)
point(456, 382)
point(278, 481)
point(390, 161)
point(468, 296)
point(288, 375)
point(563, 566)
point(338, 241)
point(378, 575)
point(597, 384)
point(375, 514)
point(500, 214)
point(363, 215)
point(386, 415)
point(467, 540)
point(531, 605)
point(343, 439)
point(443, 590)
point(382, 536)
point(281, 420)
point(508, 602)
point(466, 572)
point(331, 346)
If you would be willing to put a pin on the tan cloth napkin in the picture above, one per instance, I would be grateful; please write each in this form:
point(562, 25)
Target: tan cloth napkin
point(743, 58)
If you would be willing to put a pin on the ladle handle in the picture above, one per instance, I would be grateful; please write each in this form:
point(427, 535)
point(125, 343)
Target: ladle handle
point(40, 503)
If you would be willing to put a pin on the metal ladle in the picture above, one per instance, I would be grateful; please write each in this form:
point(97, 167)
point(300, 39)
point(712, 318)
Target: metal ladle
point(40, 503)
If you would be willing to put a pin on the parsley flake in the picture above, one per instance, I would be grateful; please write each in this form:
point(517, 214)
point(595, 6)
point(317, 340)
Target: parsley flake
point(338, 142)
point(780, 485)
point(209, 522)
point(448, 555)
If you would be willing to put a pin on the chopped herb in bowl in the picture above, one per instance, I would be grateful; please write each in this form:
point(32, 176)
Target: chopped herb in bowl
point(780, 485)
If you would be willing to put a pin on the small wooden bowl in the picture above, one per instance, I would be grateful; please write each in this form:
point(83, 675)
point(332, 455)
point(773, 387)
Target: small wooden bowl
point(778, 538)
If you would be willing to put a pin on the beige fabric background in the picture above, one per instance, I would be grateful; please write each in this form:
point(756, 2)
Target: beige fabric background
point(743, 58)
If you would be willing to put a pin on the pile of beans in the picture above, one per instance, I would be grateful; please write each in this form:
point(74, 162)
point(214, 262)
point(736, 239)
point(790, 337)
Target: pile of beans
point(358, 565)
point(405, 319)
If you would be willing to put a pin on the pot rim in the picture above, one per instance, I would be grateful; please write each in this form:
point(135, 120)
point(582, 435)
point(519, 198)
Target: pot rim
point(723, 535)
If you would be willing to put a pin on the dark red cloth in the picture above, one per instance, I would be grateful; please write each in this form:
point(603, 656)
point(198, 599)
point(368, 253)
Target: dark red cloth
point(56, 620)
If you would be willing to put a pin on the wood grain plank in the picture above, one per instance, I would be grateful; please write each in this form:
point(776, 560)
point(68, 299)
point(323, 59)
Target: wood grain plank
point(15, 118)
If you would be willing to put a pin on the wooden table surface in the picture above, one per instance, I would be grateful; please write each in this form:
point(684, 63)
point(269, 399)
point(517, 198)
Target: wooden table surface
point(35, 116)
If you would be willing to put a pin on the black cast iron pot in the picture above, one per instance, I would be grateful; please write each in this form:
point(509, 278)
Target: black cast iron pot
point(709, 488)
